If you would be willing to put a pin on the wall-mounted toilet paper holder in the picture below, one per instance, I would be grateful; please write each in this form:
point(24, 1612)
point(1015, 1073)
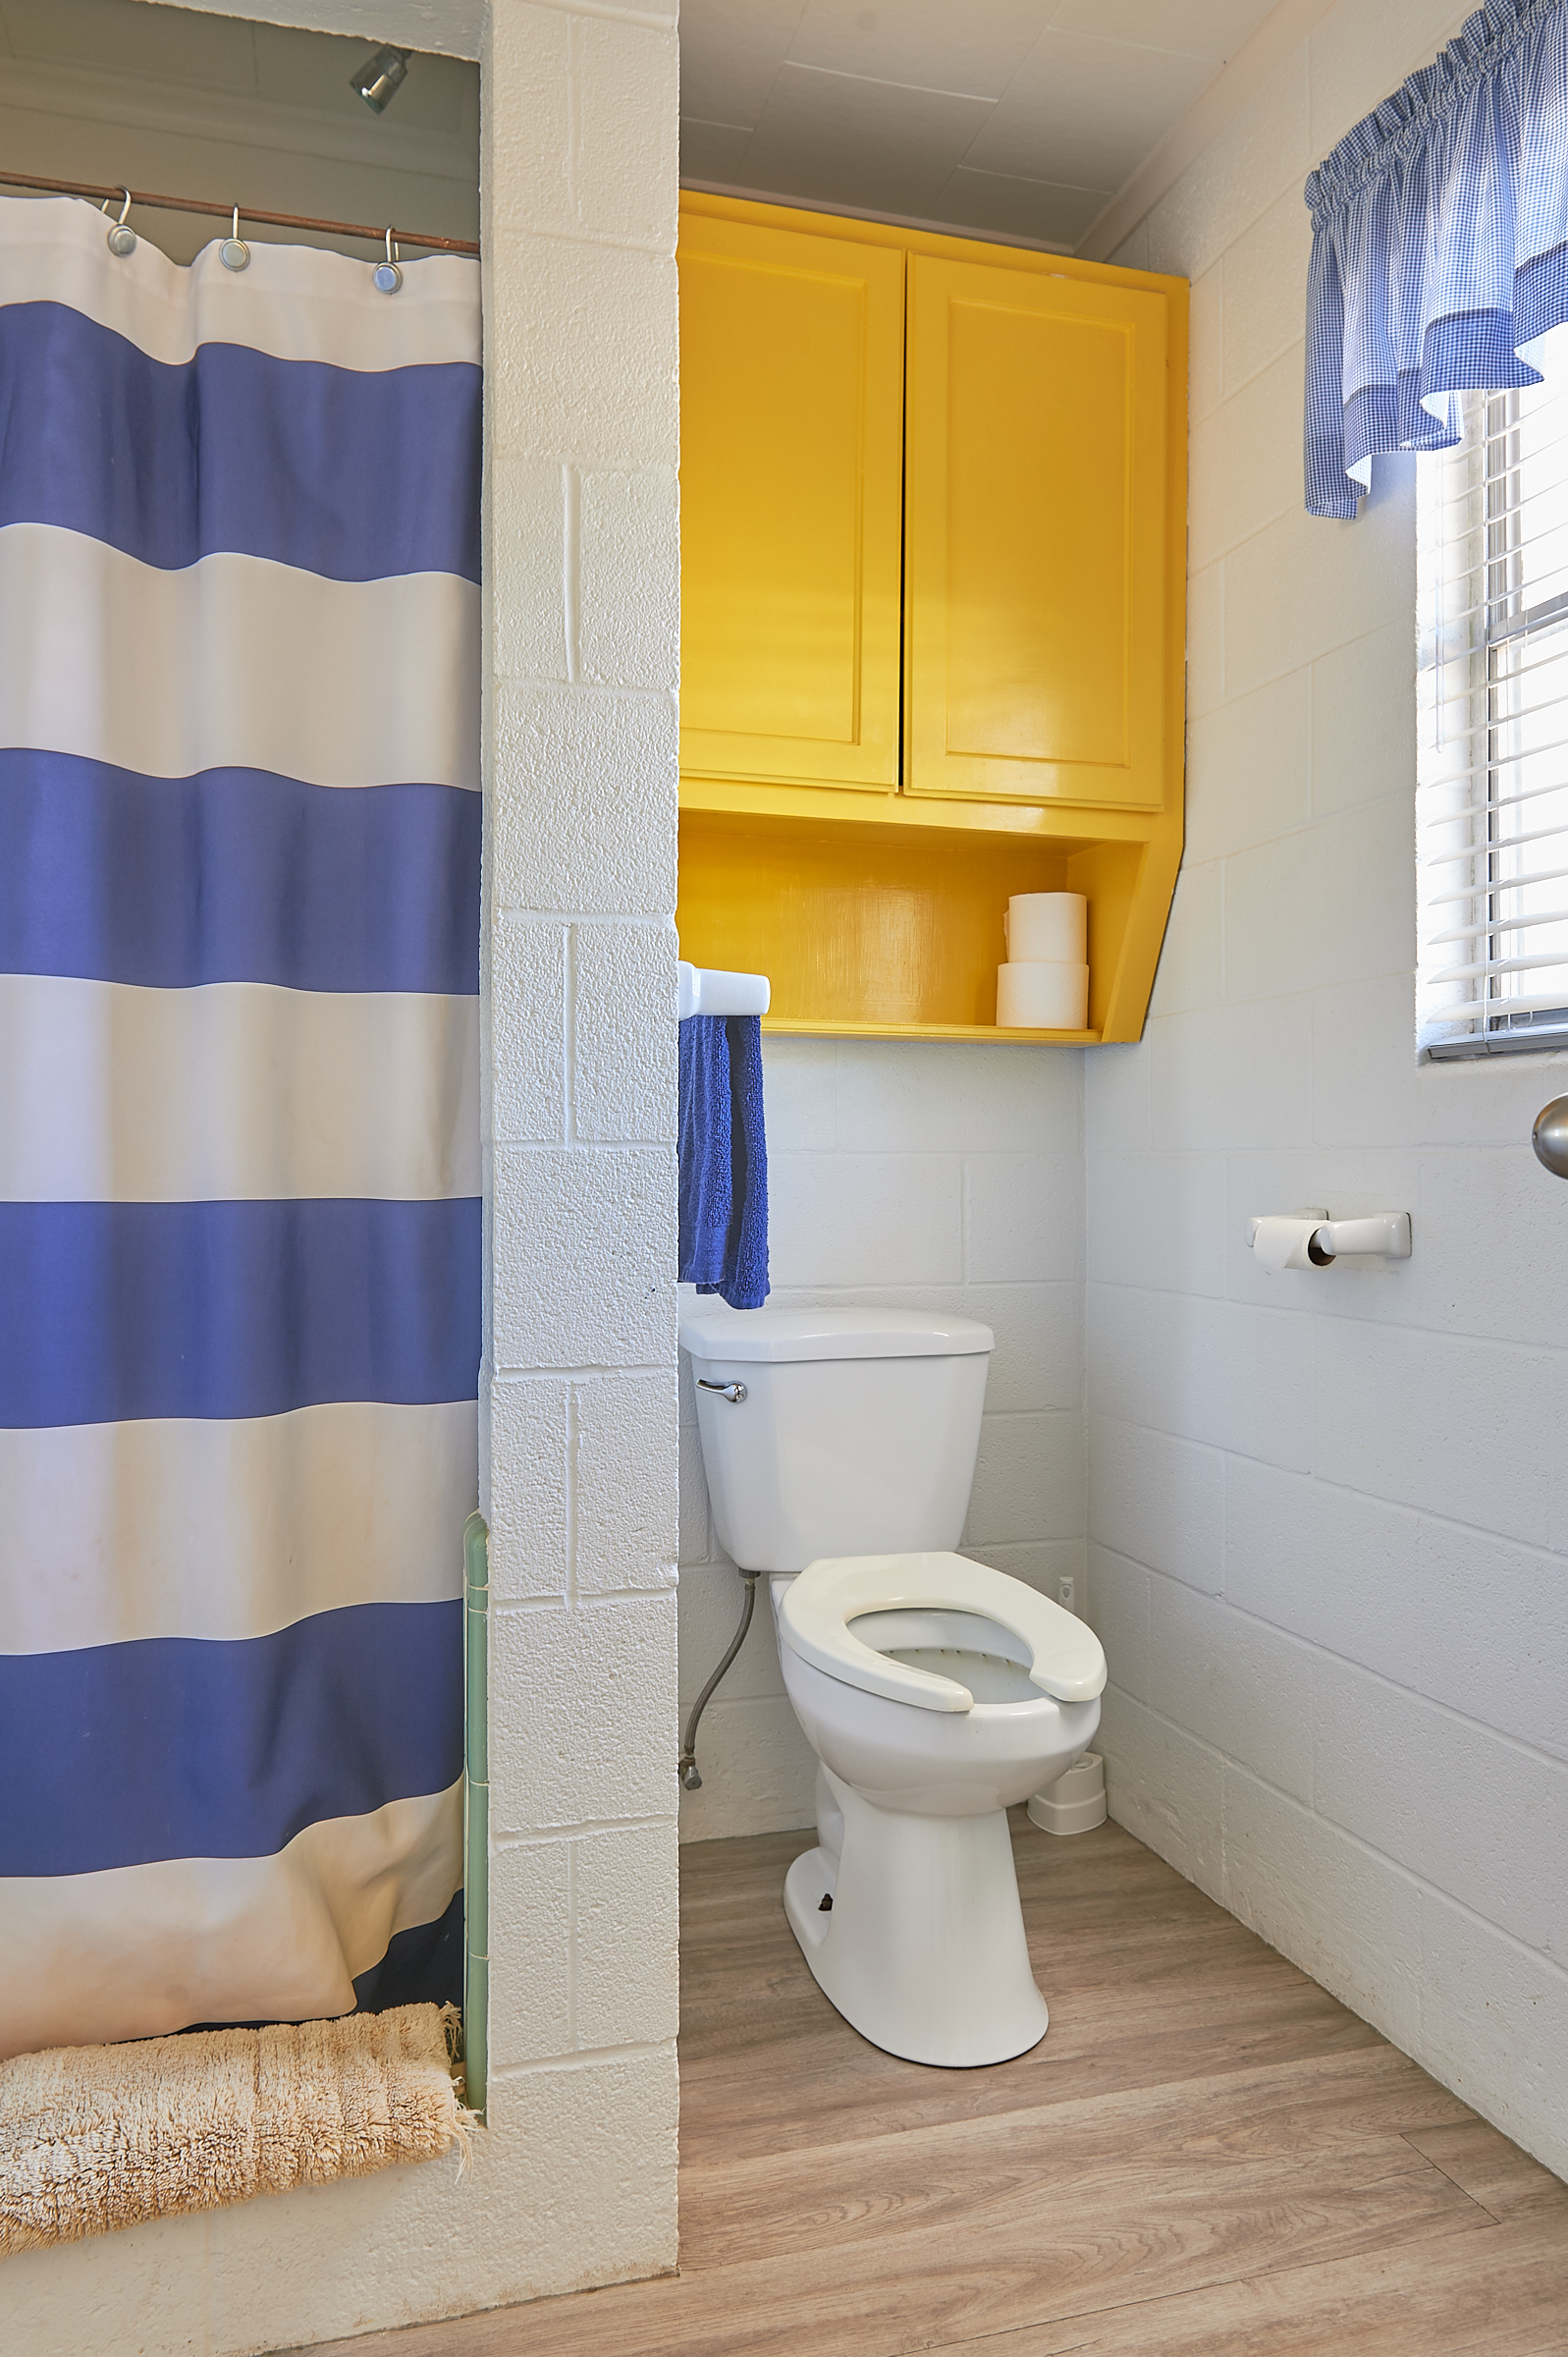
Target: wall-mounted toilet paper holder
point(1384, 1234)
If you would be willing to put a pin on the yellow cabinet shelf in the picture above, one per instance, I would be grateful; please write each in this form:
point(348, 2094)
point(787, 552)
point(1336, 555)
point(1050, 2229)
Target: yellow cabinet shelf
point(1013, 1035)
point(866, 782)
point(867, 928)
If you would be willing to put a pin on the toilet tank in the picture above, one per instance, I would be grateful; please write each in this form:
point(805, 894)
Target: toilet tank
point(857, 1434)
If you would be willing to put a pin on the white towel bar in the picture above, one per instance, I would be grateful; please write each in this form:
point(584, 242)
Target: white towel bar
point(706, 990)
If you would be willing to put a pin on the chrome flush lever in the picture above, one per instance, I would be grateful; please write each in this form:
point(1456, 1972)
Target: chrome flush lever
point(734, 1392)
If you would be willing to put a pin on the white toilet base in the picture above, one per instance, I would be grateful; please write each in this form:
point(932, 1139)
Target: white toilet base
point(923, 1951)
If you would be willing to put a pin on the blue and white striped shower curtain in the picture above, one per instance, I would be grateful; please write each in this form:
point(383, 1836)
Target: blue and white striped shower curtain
point(239, 1227)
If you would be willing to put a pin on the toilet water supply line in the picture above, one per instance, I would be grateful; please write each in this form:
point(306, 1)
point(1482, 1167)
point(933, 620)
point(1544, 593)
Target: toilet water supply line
point(475, 1811)
point(711, 990)
point(690, 1775)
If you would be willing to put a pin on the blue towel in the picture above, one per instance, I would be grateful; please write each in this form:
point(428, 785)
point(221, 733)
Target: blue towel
point(723, 1158)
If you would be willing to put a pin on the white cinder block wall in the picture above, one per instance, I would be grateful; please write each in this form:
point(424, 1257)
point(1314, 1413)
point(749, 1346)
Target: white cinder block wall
point(912, 1174)
point(574, 2181)
point(1328, 1510)
point(579, 183)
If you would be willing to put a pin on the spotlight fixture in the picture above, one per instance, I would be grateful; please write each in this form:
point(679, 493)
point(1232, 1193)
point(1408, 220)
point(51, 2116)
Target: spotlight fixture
point(381, 78)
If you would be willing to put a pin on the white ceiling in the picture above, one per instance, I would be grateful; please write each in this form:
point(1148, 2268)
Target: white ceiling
point(1017, 117)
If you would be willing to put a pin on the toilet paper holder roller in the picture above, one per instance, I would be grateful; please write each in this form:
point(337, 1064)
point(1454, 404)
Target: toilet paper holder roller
point(1385, 1233)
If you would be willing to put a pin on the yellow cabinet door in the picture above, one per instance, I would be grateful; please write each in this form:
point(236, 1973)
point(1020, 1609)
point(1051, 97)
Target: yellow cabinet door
point(1035, 537)
point(792, 396)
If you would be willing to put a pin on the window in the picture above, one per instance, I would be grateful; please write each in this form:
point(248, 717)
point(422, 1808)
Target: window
point(1491, 805)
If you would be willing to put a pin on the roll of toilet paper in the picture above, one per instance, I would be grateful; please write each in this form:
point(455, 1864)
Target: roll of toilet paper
point(1050, 929)
point(1281, 1243)
point(1036, 995)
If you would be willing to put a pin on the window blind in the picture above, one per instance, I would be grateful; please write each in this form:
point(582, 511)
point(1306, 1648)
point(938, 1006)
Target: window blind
point(1491, 805)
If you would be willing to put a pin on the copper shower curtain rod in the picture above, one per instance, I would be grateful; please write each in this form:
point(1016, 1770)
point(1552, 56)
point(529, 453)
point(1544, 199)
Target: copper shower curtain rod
point(222, 212)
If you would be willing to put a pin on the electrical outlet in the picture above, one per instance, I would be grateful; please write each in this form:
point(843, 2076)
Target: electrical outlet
point(1067, 1593)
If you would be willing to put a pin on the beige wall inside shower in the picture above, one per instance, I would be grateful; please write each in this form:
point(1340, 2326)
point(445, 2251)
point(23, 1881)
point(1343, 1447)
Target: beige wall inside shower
point(573, 2182)
point(184, 102)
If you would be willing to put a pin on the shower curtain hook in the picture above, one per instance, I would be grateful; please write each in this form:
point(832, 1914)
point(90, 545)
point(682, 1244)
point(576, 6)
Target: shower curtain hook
point(121, 240)
point(234, 252)
point(385, 275)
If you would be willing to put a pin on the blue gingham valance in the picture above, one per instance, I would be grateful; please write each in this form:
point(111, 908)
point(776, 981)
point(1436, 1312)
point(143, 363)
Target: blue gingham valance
point(1439, 249)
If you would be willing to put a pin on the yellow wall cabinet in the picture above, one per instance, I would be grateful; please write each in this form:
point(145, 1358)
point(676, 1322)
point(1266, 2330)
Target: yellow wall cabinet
point(933, 543)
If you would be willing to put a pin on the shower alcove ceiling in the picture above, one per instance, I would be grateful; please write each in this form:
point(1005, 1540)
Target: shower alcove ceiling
point(208, 103)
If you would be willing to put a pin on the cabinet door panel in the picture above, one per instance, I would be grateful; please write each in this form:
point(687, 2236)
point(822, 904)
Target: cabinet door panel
point(1035, 644)
point(791, 365)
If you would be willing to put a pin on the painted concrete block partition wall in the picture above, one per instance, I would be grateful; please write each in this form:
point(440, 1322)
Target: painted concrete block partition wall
point(1328, 1512)
point(574, 2181)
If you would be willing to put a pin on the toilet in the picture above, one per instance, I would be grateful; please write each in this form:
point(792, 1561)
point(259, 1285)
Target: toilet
point(840, 1449)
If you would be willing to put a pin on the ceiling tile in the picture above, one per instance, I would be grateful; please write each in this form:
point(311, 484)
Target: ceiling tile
point(713, 151)
point(1213, 29)
point(1020, 208)
point(1087, 112)
point(930, 45)
point(1021, 117)
point(729, 53)
point(841, 140)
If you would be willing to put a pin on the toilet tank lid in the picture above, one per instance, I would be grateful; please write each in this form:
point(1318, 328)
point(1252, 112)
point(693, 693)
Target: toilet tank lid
point(752, 1334)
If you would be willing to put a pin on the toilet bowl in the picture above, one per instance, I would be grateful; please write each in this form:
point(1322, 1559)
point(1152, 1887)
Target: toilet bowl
point(936, 1693)
point(840, 1449)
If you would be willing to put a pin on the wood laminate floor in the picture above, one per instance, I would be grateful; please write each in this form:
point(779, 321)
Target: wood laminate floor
point(1206, 2153)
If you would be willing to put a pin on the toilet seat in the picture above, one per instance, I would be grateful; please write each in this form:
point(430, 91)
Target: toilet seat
point(1065, 1659)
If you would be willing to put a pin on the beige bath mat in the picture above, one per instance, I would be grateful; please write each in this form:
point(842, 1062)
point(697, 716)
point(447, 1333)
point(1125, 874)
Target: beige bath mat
point(97, 2137)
